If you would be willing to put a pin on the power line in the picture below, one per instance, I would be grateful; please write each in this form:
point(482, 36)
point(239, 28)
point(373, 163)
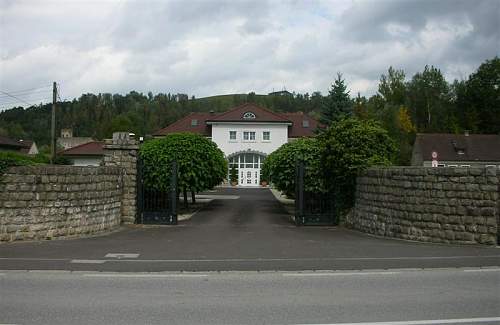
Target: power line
point(26, 94)
point(15, 92)
point(22, 100)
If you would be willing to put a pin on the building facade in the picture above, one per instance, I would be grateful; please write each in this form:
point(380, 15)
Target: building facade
point(246, 134)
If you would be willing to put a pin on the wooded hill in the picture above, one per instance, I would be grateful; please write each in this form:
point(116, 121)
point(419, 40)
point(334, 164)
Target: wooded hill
point(424, 103)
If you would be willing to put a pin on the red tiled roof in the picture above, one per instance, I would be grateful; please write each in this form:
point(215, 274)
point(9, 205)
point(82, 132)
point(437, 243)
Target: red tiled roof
point(94, 148)
point(475, 147)
point(185, 124)
point(298, 128)
point(295, 130)
point(4, 141)
point(261, 115)
point(26, 143)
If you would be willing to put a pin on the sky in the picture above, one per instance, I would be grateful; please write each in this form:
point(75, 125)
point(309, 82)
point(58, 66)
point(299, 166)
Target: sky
point(213, 47)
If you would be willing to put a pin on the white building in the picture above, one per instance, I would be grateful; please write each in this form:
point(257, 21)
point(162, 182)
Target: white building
point(246, 134)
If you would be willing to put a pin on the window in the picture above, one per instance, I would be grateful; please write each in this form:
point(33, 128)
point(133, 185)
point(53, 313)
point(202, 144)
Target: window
point(266, 136)
point(305, 123)
point(232, 135)
point(194, 122)
point(248, 136)
point(249, 115)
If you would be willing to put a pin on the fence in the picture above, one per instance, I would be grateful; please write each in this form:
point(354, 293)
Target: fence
point(156, 206)
point(312, 207)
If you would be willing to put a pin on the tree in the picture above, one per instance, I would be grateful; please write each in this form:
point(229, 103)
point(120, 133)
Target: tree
point(349, 146)
point(337, 104)
point(392, 87)
point(483, 95)
point(279, 166)
point(201, 165)
point(429, 100)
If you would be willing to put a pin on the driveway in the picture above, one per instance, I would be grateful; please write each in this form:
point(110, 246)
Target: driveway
point(243, 229)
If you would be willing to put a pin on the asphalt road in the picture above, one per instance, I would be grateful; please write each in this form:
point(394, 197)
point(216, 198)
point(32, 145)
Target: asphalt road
point(446, 296)
point(243, 230)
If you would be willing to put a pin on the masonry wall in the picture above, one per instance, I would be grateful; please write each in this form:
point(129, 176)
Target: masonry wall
point(446, 205)
point(121, 151)
point(45, 202)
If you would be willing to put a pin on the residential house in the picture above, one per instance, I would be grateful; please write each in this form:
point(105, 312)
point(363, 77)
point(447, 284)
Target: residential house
point(246, 134)
point(86, 154)
point(456, 150)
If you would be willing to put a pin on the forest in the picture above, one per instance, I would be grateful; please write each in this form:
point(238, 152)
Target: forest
point(426, 102)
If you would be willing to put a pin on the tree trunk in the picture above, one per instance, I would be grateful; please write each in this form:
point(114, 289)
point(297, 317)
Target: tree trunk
point(193, 197)
point(185, 198)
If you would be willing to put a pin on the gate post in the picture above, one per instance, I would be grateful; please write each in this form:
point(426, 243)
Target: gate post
point(299, 193)
point(122, 151)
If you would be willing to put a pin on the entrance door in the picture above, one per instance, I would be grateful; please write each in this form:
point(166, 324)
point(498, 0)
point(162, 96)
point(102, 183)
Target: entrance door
point(249, 177)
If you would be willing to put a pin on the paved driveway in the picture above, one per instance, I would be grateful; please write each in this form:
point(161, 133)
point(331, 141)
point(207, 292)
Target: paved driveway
point(248, 232)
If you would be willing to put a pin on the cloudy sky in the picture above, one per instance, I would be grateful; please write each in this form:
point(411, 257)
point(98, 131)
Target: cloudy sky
point(211, 47)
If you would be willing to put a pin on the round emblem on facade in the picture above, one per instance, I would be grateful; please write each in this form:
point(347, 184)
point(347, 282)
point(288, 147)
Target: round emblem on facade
point(434, 154)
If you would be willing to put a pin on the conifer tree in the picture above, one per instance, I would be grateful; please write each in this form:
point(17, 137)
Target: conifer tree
point(337, 104)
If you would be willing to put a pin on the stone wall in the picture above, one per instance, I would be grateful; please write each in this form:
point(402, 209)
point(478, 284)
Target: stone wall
point(122, 151)
point(447, 205)
point(45, 202)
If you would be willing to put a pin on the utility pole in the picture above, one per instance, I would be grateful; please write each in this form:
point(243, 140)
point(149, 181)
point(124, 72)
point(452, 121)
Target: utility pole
point(53, 125)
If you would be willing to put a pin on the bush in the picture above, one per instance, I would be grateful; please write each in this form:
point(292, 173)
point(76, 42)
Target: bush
point(201, 165)
point(350, 146)
point(11, 159)
point(279, 166)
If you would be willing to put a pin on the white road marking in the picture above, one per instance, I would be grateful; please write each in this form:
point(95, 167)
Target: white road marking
point(145, 275)
point(88, 261)
point(337, 274)
point(218, 196)
point(122, 255)
point(426, 322)
point(304, 259)
point(482, 270)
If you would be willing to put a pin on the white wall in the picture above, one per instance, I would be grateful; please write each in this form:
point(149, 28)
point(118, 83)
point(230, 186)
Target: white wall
point(220, 135)
point(85, 161)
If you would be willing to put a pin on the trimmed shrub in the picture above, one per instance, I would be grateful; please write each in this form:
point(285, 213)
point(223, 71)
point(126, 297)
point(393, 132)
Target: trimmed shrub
point(279, 166)
point(201, 165)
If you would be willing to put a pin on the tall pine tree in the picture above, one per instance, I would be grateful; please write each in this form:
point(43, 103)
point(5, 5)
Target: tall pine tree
point(337, 104)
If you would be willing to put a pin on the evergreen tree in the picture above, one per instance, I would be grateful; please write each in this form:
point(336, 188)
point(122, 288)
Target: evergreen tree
point(337, 104)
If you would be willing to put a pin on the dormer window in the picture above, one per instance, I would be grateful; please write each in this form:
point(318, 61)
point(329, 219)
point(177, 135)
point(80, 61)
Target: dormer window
point(248, 116)
point(460, 152)
point(194, 122)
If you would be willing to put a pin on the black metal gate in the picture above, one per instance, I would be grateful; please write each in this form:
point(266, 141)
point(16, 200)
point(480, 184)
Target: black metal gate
point(154, 206)
point(312, 208)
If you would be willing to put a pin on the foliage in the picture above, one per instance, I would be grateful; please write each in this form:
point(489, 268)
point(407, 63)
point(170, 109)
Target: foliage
point(10, 159)
point(201, 165)
point(349, 146)
point(337, 104)
point(483, 95)
point(279, 166)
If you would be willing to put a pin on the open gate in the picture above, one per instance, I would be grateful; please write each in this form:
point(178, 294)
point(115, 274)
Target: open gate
point(154, 206)
point(312, 208)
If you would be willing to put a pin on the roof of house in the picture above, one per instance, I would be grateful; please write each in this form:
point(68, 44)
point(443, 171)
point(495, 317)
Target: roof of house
point(8, 142)
point(71, 142)
point(259, 114)
point(197, 122)
point(459, 147)
point(302, 125)
point(94, 148)
point(186, 124)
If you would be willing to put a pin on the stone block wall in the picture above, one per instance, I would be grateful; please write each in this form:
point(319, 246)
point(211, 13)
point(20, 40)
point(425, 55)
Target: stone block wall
point(446, 205)
point(121, 151)
point(45, 202)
